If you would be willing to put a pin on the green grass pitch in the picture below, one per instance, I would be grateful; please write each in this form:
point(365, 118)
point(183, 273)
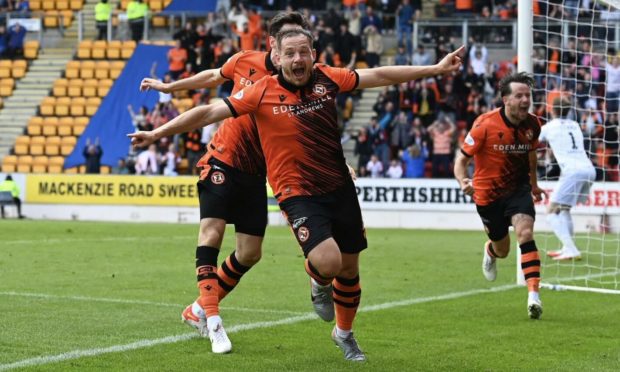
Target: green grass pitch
point(108, 296)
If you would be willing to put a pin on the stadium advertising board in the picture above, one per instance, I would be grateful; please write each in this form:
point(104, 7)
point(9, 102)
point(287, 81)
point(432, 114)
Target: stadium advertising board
point(445, 195)
point(108, 189)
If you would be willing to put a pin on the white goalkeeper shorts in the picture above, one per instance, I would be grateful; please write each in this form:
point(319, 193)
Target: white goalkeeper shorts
point(573, 187)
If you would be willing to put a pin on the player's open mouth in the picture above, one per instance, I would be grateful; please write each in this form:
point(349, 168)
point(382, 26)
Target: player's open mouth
point(299, 72)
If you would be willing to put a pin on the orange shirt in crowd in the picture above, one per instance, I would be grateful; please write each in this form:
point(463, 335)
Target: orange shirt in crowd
point(464, 5)
point(177, 58)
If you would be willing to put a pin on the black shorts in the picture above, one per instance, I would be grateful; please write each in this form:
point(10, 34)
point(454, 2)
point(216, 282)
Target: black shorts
point(497, 216)
point(316, 218)
point(239, 198)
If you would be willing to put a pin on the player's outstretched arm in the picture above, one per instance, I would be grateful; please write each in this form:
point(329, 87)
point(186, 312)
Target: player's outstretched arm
point(460, 173)
point(390, 75)
point(195, 118)
point(204, 79)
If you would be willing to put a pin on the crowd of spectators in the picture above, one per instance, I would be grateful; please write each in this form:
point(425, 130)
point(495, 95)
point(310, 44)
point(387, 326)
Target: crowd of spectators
point(12, 41)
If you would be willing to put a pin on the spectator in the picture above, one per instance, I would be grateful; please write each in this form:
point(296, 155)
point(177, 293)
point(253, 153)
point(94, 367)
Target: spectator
point(246, 37)
point(414, 157)
point(612, 94)
point(92, 155)
point(425, 102)
point(347, 46)
point(8, 185)
point(189, 39)
point(139, 120)
point(401, 58)
point(177, 57)
point(137, 12)
point(4, 37)
point(375, 167)
point(400, 134)
point(354, 18)
point(238, 16)
point(148, 161)
point(15, 42)
point(378, 137)
point(102, 14)
point(442, 133)
point(405, 14)
point(374, 46)
point(421, 57)
point(170, 161)
point(395, 170)
point(371, 19)
point(121, 167)
point(193, 149)
point(363, 149)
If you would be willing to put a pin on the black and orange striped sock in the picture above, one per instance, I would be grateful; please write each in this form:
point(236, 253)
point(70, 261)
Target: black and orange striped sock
point(530, 264)
point(314, 274)
point(206, 275)
point(347, 294)
point(229, 274)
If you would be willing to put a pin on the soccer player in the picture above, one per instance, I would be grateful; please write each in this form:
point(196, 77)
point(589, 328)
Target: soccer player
point(296, 119)
point(565, 138)
point(232, 186)
point(503, 145)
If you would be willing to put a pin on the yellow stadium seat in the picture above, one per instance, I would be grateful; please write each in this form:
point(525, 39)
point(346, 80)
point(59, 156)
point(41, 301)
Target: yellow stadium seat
point(156, 5)
point(75, 87)
point(66, 18)
point(84, 49)
point(50, 126)
point(127, 49)
point(62, 106)
point(6, 63)
point(92, 105)
point(102, 69)
point(52, 146)
point(113, 50)
point(82, 120)
point(24, 163)
point(9, 164)
point(159, 21)
point(18, 72)
point(78, 129)
point(60, 87)
point(87, 70)
point(72, 70)
point(98, 50)
point(65, 126)
point(22, 144)
point(51, 18)
point(47, 106)
point(5, 71)
point(48, 5)
point(116, 68)
point(35, 120)
point(31, 49)
point(104, 87)
point(76, 4)
point(78, 107)
point(35, 5)
point(55, 164)
point(62, 4)
point(39, 164)
point(67, 144)
point(34, 129)
point(89, 89)
point(105, 169)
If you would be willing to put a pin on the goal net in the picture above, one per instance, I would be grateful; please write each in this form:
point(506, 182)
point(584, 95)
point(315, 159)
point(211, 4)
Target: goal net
point(574, 55)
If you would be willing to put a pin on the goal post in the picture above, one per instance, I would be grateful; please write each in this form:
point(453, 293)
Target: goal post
point(569, 49)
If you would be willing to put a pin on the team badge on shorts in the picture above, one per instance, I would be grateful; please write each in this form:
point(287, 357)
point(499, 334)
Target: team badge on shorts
point(303, 234)
point(218, 178)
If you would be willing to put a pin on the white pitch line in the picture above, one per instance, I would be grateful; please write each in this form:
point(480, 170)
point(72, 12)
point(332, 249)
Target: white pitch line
point(138, 302)
point(76, 354)
point(112, 239)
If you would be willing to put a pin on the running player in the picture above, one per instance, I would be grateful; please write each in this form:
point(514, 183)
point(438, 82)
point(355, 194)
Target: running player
point(565, 138)
point(231, 188)
point(296, 117)
point(503, 145)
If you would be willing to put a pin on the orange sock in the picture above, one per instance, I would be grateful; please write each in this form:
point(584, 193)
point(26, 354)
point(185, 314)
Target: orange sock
point(206, 275)
point(347, 294)
point(530, 264)
point(229, 274)
point(314, 274)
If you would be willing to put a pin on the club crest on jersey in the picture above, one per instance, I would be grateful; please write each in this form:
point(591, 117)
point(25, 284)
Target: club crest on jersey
point(501, 135)
point(469, 140)
point(218, 178)
point(282, 97)
point(303, 234)
point(319, 89)
point(239, 95)
point(252, 71)
point(529, 134)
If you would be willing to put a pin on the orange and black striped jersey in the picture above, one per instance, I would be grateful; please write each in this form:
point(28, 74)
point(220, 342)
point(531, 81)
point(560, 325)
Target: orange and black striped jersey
point(236, 141)
point(298, 129)
point(501, 154)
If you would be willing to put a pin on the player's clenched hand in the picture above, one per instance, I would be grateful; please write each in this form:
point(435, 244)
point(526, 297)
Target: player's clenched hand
point(467, 187)
point(148, 84)
point(451, 62)
point(537, 193)
point(141, 138)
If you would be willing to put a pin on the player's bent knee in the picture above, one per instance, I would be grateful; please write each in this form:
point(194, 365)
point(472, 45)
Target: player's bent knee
point(525, 234)
point(211, 232)
point(249, 257)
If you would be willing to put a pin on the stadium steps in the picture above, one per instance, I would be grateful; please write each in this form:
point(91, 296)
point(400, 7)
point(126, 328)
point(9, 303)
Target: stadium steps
point(28, 93)
point(90, 31)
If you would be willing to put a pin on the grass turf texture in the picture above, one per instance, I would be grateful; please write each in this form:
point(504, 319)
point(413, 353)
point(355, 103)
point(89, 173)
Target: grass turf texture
point(154, 263)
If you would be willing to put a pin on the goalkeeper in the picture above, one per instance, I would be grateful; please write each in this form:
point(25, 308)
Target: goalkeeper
point(565, 138)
